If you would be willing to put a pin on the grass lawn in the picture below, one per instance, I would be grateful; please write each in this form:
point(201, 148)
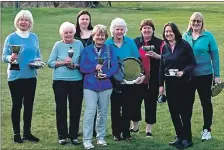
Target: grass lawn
point(46, 26)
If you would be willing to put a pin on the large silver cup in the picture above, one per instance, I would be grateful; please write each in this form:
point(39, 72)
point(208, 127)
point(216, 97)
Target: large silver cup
point(16, 49)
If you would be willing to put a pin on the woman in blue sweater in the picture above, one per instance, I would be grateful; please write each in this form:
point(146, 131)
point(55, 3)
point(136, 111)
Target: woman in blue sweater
point(67, 83)
point(207, 67)
point(97, 85)
point(21, 75)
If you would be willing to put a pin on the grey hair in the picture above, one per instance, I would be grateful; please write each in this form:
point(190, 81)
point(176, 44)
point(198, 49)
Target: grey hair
point(118, 22)
point(193, 16)
point(66, 25)
point(26, 14)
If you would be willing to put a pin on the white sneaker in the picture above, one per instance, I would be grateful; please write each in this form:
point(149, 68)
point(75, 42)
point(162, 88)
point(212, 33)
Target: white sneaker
point(102, 142)
point(206, 135)
point(88, 145)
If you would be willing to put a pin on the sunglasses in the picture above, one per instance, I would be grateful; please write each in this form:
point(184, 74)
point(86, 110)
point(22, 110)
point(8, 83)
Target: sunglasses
point(198, 21)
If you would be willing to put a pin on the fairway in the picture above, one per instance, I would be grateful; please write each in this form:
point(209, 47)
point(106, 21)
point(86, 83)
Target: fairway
point(46, 25)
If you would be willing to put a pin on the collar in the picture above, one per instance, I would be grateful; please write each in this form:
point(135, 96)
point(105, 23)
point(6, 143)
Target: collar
point(111, 41)
point(23, 34)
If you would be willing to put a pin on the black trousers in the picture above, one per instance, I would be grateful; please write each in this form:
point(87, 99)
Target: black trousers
point(73, 92)
point(22, 93)
point(120, 110)
point(150, 96)
point(203, 86)
point(180, 106)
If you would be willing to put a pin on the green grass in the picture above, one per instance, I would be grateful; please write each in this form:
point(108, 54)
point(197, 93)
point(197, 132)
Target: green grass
point(47, 22)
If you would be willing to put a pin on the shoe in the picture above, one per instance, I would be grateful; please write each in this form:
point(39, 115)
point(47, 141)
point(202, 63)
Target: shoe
point(17, 138)
point(102, 142)
point(148, 135)
point(185, 144)
point(75, 141)
point(175, 142)
point(206, 135)
point(62, 141)
point(30, 137)
point(116, 138)
point(128, 138)
point(134, 131)
point(88, 145)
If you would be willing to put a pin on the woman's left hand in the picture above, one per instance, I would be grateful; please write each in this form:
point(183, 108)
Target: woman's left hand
point(217, 80)
point(153, 54)
point(180, 74)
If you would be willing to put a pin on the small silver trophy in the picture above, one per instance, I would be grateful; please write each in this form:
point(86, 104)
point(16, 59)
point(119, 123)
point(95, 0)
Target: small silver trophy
point(70, 54)
point(148, 48)
point(16, 49)
point(100, 61)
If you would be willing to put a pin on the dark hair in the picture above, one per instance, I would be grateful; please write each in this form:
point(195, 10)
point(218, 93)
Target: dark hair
point(175, 30)
point(78, 30)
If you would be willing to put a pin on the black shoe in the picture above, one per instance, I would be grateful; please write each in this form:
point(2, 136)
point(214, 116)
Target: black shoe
point(116, 138)
point(135, 131)
point(30, 137)
point(128, 138)
point(148, 135)
point(175, 142)
point(184, 144)
point(17, 138)
point(75, 141)
point(62, 141)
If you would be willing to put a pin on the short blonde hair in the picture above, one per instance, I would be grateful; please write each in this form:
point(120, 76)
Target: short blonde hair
point(26, 14)
point(66, 25)
point(101, 29)
point(193, 16)
point(118, 22)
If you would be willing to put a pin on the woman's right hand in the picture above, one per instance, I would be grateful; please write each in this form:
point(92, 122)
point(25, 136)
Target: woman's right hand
point(161, 90)
point(98, 67)
point(14, 56)
point(68, 60)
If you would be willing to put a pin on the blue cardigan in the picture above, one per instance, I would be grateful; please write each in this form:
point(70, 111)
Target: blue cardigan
point(88, 64)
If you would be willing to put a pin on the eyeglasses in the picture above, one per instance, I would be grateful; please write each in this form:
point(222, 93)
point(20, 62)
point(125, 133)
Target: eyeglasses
point(198, 21)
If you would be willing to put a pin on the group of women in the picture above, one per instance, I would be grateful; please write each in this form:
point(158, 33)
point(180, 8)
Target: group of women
point(81, 76)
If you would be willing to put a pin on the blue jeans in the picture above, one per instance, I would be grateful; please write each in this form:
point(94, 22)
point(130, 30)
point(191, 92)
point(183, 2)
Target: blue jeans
point(95, 101)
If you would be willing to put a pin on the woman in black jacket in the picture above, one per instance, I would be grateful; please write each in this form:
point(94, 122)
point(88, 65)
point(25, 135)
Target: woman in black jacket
point(176, 67)
point(149, 90)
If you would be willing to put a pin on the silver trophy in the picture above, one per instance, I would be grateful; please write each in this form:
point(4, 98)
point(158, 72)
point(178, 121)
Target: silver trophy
point(148, 48)
point(70, 54)
point(16, 49)
point(100, 61)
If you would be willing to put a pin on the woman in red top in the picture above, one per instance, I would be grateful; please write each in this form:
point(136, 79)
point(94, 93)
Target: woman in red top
point(149, 89)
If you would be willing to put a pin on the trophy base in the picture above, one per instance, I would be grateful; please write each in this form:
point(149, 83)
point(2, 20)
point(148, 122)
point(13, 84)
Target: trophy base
point(14, 67)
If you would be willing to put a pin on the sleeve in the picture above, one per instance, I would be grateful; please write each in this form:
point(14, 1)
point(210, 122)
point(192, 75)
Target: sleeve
point(161, 70)
point(85, 66)
point(53, 57)
point(6, 54)
point(114, 64)
point(38, 54)
point(214, 56)
point(191, 62)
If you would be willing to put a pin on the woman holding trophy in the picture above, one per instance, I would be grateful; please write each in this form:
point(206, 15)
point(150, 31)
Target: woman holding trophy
point(149, 48)
point(124, 47)
point(176, 67)
point(98, 62)
point(20, 48)
point(67, 83)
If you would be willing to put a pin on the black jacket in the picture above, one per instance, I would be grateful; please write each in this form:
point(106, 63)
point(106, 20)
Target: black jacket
point(182, 59)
